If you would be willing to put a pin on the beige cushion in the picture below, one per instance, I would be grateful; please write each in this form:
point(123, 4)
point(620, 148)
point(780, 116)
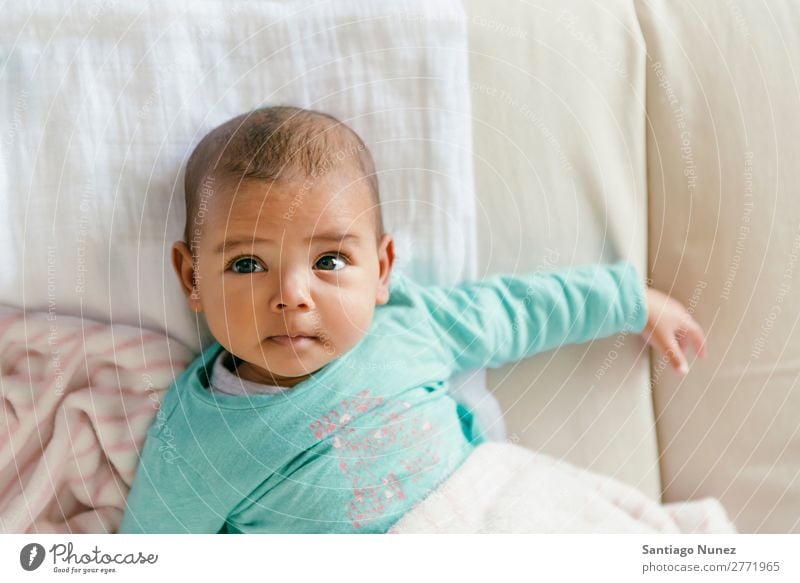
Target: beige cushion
point(723, 160)
point(559, 126)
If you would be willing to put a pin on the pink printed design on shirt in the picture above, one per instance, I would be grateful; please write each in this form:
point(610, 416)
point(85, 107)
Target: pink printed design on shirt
point(363, 452)
point(350, 409)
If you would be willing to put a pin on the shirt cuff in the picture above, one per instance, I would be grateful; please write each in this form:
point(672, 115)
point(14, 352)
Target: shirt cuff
point(632, 296)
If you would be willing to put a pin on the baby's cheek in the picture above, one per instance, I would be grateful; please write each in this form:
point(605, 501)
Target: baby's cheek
point(358, 315)
point(236, 325)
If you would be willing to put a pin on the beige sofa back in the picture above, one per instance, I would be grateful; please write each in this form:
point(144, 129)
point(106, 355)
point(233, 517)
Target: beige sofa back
point(559, 138)
point(667, 133)
point(723, 159)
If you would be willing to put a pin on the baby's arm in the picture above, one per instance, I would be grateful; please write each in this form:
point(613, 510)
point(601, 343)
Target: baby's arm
point(168, 496)
point(504, 318)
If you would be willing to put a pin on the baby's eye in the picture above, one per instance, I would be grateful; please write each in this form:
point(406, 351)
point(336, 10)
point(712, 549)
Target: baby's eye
point(333, 262)
point(246, 265)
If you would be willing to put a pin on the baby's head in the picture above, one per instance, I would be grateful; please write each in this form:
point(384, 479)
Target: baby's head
point(283, 237)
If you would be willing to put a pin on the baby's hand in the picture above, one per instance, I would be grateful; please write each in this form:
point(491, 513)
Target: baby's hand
point(671, 329)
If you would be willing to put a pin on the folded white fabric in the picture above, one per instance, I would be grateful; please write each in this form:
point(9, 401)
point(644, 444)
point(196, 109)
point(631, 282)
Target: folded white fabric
point(103, 102)
point(505, 488)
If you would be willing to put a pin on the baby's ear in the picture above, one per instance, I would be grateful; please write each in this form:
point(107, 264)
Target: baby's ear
point(385, 263)
point(183, 263)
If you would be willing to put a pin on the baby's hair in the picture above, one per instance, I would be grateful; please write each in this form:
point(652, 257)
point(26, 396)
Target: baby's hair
point(279, 143)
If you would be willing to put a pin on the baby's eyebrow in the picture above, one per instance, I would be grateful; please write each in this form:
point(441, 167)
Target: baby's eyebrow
point(248, 241)
point(335, 237)
point(240, 242)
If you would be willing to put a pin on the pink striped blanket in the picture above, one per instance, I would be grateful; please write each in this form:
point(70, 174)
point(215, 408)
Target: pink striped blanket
point(78, 397)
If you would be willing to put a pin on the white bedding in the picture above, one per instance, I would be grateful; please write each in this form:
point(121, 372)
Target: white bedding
point(505, 488)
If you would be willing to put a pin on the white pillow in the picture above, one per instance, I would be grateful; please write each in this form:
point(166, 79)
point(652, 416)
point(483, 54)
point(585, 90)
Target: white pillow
point(103, 103)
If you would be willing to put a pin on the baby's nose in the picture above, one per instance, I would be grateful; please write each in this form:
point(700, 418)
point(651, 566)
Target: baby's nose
point(288, 304)
point(293, 293)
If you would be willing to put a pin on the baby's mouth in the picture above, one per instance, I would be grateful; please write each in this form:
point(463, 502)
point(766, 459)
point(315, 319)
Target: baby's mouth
point(294, 341)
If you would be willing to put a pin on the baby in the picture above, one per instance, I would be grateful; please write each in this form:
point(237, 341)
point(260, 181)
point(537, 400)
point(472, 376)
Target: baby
point(323, 405)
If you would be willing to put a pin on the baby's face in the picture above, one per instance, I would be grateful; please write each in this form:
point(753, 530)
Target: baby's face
point(288, 259)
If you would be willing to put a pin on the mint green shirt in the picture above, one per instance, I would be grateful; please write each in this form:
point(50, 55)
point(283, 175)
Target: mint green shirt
point(365, 438)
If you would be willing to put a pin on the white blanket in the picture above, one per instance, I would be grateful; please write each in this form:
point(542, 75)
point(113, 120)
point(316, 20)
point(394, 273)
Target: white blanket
point(505, 488)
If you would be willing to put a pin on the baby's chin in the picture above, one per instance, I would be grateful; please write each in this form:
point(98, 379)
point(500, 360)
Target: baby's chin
point(289, 371)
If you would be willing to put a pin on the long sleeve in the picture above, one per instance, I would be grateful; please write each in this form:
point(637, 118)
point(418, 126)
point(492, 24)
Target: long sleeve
point(504, 318)
point(168, 496)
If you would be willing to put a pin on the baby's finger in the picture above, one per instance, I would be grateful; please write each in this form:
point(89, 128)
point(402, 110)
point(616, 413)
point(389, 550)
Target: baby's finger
point(668, 344)
point(683, 337)
point(698, 339)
